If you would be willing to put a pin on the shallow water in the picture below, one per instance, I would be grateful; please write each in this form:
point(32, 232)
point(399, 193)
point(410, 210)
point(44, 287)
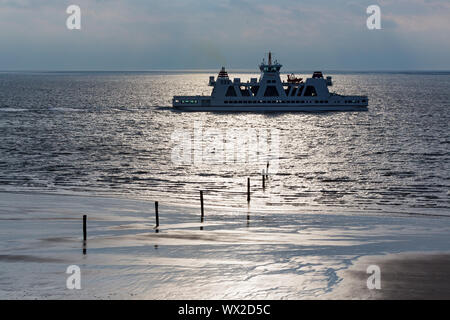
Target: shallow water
point(114, 134)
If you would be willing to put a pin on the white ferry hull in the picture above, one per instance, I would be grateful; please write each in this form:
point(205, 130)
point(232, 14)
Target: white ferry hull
point(228, 108)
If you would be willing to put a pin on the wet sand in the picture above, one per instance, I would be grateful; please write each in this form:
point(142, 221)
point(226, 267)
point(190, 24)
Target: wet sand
point(230, 256)
point(403, 276)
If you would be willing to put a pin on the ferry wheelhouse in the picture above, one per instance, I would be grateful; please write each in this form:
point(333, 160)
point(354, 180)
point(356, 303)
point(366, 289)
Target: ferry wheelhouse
point(270, 94)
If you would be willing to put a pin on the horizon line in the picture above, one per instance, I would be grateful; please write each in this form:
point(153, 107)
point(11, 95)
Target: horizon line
point(199, 70)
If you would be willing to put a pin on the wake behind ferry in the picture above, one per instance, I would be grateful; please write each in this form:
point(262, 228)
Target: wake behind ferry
point(270, 94)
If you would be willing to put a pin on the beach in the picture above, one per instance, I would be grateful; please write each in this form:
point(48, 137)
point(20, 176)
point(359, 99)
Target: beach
point(232, 255)
point(412, 276)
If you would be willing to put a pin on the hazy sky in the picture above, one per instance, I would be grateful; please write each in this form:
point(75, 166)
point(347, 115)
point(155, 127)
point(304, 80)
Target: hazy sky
point(190, 34)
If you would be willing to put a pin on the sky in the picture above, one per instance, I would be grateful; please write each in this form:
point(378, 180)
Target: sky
point(206, 34)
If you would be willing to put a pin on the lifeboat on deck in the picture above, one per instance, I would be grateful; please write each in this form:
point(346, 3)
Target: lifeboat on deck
point(292, 79)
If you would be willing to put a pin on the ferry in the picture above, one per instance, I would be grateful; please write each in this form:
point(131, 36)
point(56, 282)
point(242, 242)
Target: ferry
point(271, 94)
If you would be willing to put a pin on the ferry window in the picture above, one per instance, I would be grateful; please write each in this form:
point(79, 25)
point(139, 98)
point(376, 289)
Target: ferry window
point(255, 90)
point(226, 101)
point(300, 89)
point(287, 90)
point(310, 91)
point(244, 91)
point(293, 92)
point(271, 91)
point(230, 92)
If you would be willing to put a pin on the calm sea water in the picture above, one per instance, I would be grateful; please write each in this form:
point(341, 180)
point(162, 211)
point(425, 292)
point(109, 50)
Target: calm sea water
point(113, 133)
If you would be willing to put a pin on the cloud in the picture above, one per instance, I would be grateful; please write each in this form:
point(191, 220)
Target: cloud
point(145, 34)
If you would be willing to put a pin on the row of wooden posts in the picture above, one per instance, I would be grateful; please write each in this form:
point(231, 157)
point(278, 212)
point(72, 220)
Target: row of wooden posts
point(202, 208)
point(202, 217)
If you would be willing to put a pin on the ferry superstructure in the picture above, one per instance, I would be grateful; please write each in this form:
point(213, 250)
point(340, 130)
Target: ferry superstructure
point(270, 94)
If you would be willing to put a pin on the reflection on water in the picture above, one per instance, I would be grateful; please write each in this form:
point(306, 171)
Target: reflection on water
point(111, 133)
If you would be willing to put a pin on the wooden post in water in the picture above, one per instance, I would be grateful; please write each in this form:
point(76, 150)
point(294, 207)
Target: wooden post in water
point(267, 170)
point(156, 214)
point(263, 179)
point(84, 228)
point(201, 206)
point(248, 189)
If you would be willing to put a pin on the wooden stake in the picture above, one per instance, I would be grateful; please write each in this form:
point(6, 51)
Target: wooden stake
point(248, 189)
point(156, 214)
point(201, 206)
point(263, 179)
point(84, 228)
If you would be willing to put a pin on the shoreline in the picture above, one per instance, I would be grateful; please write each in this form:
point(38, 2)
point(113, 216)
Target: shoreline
point(242, 208)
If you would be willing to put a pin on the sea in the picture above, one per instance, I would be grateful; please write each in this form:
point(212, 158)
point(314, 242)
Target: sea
point(115, 133)
point(337, 185)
